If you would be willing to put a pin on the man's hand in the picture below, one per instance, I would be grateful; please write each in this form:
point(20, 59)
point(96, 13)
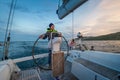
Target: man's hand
point(60, 35)
point(41, 36)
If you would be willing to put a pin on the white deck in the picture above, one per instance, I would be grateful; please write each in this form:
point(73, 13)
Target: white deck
point(88, 67)
point(95, 65)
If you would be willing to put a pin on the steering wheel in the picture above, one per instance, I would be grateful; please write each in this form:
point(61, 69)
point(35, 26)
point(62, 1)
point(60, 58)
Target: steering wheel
point(37, 61)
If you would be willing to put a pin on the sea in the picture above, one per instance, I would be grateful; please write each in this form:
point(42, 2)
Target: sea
point(19, 49)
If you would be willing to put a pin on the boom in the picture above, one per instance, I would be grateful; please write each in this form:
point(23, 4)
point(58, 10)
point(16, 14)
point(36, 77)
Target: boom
point(68, 6)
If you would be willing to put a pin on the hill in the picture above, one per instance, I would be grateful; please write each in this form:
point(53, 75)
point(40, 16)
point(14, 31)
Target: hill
point(112, 36)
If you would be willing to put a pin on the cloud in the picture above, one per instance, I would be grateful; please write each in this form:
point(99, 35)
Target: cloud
point(104, 19)
point(22, 9)
point(18, 36)
point(59, 22)
point(2, 22)
point(2, 25)
point(26, 29)
point(110, 4)
point(19, 8)
point(109, 20)
point(105, 25)
point(29, 19)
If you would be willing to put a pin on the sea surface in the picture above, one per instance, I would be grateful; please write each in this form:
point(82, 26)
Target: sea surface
point(106, 46)
point(18, 49)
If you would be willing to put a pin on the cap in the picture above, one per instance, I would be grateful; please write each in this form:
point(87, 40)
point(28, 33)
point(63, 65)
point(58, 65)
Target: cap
point(51, 24)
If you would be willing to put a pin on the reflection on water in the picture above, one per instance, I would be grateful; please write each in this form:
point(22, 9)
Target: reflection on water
point(24, 48)
point(107, 46)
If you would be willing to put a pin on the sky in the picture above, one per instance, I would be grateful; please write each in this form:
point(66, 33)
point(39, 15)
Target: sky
point(32, 17)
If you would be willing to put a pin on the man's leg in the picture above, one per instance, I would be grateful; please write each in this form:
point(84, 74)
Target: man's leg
point(49, 57)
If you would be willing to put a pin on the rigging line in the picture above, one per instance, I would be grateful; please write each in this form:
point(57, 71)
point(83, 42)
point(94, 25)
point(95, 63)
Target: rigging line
point(72, 25)
point(12, 15)
point(58, 3)
point(5, 45)
point(8, 21)
point(58, 6)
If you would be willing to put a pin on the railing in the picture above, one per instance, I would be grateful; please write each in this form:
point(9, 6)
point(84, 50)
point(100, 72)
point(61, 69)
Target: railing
point(30, 57)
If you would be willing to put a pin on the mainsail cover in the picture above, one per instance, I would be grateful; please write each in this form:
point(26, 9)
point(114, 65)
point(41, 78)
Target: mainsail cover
point(68, 6)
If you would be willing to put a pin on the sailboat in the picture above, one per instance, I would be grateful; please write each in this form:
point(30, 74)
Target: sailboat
point(79, 65)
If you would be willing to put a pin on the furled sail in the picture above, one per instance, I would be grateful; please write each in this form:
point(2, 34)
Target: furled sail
point(68, 6)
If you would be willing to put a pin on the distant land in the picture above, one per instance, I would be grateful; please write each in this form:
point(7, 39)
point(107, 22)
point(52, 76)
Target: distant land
point(112, 36)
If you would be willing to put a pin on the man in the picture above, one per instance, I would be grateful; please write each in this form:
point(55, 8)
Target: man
point(54, 40)
point(72, 44)
point(79, 35)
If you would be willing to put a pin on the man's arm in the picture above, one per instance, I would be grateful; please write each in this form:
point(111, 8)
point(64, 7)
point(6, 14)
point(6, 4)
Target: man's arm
point(57, 34)
point(43, 36)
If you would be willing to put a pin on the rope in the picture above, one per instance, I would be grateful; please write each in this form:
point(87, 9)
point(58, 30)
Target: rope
point(8, 21)
point(5, 41)
point(9, 26)
point(72, 25)
point(67, 47)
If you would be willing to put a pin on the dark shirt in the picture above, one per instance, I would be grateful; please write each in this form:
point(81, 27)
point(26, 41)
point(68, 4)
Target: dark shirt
point(51, 34)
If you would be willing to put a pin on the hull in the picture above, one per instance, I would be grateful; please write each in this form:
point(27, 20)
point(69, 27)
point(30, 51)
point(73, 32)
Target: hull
point(95, 65)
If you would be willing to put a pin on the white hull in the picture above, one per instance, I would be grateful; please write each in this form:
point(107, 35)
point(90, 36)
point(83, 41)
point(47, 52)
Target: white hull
point(7, 67)
point(82, 71)
point(91, 65)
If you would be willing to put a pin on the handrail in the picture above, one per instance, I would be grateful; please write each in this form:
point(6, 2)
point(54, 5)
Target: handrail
point(30, 57)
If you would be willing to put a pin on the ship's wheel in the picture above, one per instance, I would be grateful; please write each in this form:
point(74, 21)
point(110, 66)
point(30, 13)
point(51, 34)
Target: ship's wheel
point(39, 61)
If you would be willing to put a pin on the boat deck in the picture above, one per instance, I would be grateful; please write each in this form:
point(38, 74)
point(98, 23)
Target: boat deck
point(102, 70)
point(34, 74)
point(47, 75)
point(31, 74)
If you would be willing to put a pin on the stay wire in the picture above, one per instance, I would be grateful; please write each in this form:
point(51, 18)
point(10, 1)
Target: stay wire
point(7, 33)
point(8, 22)
point(58, 3)
point(12, 16)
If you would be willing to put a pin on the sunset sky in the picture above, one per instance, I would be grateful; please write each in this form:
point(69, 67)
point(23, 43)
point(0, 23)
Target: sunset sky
point(32, 17)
